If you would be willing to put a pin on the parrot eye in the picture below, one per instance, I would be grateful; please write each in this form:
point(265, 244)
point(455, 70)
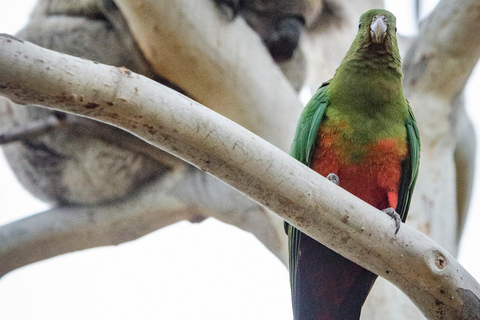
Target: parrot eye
point(395, 28)
point(359, 25)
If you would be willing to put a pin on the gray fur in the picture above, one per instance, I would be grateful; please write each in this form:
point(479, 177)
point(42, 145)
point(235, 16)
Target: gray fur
point(70, 167)
point(66, 166)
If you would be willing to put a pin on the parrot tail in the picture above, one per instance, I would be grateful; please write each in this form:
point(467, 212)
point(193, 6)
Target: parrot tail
point(325, 285)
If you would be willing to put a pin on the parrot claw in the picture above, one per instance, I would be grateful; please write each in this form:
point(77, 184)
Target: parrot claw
point(394, 215)
point(334, 178)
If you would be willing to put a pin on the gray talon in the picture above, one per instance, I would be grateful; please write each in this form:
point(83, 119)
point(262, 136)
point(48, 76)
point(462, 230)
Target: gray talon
point(334, 178)
point(394, 215)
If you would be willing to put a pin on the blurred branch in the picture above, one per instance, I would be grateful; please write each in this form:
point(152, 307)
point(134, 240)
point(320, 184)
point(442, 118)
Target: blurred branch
point(223, 64)
point(446, 50)
point(69, 228)
point(426, 273)
point(436, 68)
point(465, 152)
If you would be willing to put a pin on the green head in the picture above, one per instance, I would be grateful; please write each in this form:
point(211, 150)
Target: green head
point(377, 26)
point(377, 36)
point(370, 76)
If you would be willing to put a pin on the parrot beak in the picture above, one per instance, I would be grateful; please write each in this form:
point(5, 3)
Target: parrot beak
point(378, 30)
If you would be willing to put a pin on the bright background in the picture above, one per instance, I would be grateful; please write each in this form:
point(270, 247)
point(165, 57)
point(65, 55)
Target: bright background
point(186, 271)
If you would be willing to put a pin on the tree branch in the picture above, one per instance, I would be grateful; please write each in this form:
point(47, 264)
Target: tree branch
point(212, 47)
point(67, 229)
point(436, 67)
point(446, 50)
point(422, 269)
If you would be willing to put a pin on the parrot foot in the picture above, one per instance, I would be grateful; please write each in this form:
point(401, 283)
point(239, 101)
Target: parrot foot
point(394, 215)
point(334, 178)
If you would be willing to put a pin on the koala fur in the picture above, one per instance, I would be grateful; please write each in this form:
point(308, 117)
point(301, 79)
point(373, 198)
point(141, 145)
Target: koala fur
point(67, 166)
point(64, 166)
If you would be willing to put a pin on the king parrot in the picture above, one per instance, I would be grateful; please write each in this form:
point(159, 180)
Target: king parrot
point(359, 131)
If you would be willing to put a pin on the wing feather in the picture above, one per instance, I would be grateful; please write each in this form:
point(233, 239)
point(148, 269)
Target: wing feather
point(302, 149)
point(409, 166)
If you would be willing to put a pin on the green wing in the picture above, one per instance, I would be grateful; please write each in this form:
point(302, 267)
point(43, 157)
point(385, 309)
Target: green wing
point(307, 128)
point(409, 166)
point(302, 148)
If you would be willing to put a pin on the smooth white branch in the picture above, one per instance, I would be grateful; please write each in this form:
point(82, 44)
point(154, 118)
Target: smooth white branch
point(222, 64)
point(443, 55)
point(71, 228)
point(431, 277)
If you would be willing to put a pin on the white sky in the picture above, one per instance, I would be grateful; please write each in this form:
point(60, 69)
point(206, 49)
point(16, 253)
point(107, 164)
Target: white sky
point(205, 271)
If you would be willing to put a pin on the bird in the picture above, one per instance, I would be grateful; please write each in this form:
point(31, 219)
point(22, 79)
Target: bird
point(359, 131)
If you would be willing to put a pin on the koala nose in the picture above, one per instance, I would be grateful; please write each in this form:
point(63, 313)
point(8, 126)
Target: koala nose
point(284, 41)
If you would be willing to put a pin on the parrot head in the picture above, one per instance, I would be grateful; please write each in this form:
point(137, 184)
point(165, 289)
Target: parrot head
point(377, 26)
point(377, 32)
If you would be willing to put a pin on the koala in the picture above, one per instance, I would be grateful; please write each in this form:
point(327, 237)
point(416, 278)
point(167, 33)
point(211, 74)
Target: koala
point(74, 165)
point(68, 166)
point(279, 23)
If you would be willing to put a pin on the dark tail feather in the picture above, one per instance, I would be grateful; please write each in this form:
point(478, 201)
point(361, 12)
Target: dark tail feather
point(326, 286)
